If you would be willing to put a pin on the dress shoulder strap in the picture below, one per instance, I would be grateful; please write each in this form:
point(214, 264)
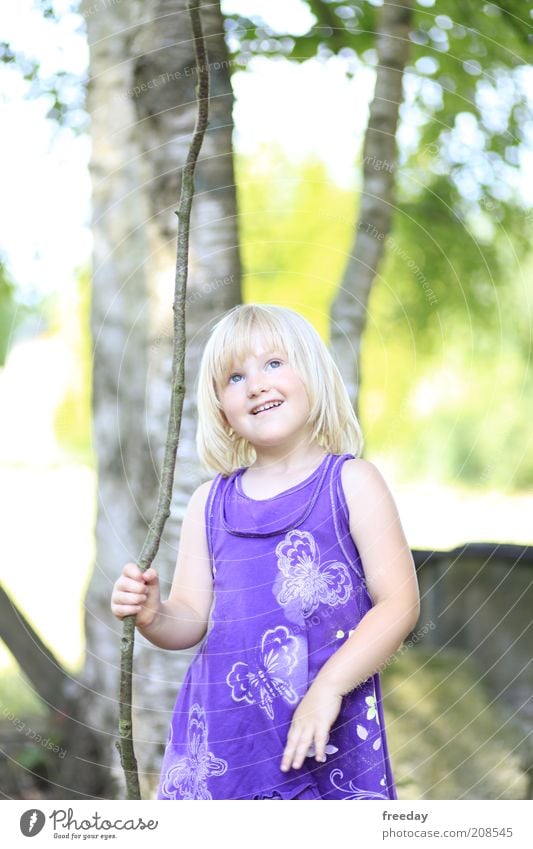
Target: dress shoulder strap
point(340, 512)
point(210, 510)
point(337, 491)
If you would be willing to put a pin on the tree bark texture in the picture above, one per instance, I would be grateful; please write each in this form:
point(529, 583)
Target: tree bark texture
point(142, 104)
point(349, 309)
point(152, 542)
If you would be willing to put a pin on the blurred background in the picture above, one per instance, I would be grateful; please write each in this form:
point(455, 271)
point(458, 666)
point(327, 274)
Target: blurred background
point(435, 315)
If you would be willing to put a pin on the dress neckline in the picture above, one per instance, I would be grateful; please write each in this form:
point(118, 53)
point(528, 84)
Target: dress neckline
point(299, 485)
point(268, 516)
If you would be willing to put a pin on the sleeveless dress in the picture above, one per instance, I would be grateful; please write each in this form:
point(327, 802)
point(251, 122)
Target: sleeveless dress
point(289, 588)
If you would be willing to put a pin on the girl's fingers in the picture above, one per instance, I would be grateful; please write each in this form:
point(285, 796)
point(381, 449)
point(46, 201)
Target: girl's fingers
point(127, 585)
point(288, 753)
point(123, 611)
point(130, 598)
point(320, 747)
point(298, 746)
point(150, 576)
point(131, 570)
point(296, 751)
point(132, 580)
point(300, 754)
point(135, 587)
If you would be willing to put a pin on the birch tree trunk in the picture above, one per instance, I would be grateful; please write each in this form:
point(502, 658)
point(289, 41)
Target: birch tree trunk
point(141, 98)
point(349, 309)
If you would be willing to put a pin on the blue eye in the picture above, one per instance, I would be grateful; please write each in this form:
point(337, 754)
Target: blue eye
point(272, 362)
point(230, 379)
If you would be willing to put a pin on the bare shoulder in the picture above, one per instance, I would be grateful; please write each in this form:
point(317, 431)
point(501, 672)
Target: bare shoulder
point(377, 531)
point(201, 492)
point(361, 479)
point(368, 497)
point(199, 498)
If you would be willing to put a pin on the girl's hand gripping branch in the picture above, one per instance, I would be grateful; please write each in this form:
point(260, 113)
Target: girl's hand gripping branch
point(181, 621)
point(136, 593)
point(311, 723)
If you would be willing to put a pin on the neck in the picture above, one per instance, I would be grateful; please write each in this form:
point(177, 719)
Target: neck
point(276, 461)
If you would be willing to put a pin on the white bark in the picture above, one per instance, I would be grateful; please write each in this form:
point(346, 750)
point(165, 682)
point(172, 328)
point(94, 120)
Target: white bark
point(140, 131)
point(349, 310)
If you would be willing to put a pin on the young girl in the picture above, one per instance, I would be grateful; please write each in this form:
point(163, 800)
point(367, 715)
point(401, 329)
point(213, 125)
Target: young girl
point(293, 574)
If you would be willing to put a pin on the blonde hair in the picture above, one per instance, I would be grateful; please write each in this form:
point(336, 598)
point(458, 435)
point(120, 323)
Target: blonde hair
point(334, 424)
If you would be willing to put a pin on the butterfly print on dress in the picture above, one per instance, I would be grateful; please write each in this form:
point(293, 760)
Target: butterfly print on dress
point(305, 582)
point(270, 678)
point(187, 779)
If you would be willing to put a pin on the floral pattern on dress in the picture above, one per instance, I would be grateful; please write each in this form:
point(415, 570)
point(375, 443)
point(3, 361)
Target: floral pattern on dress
point(368, 733)
point(188, 777)
point(270, 677)
point(350, 791)
point(305, 582)
point(362, 733)
point(372, 712)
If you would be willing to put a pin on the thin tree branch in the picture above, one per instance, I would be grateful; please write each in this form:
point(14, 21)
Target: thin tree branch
point(153, 538)
point(38, 663)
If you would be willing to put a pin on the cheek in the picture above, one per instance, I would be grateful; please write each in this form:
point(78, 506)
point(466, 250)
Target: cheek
point(229, 407)
point(302, 393)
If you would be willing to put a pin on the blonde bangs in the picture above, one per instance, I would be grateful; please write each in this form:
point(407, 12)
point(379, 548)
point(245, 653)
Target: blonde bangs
point(234, 341)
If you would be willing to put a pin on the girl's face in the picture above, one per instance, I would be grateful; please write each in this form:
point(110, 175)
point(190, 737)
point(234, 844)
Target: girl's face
point(264, 399)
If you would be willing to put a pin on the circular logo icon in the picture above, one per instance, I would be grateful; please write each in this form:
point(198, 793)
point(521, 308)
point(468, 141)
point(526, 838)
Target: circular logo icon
point(32, 822)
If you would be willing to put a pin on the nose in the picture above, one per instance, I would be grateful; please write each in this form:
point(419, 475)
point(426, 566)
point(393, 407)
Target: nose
point(257, 383)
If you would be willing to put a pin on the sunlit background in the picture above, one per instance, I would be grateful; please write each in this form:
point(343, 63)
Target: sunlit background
point(48, 489)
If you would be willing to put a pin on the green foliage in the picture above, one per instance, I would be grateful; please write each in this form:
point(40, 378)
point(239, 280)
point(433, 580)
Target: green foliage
point(295, 230)
point(8, 312)
point(337, 28)
point(63, 89)
point(453, 274)
point(446, 387)
point(73, 415)
point(459, 77)
point(18, 695)
point(448, 28)
point(14, 311)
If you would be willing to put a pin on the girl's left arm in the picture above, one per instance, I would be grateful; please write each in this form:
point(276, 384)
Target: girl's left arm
point(391, 581)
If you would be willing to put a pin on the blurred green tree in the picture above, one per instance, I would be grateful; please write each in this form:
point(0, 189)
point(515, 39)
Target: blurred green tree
point(8, 311)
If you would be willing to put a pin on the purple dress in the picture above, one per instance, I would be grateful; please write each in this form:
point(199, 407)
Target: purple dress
point(288, 589)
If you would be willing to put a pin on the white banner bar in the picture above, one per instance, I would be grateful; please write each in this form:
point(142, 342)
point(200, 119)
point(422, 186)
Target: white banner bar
point(396, 824)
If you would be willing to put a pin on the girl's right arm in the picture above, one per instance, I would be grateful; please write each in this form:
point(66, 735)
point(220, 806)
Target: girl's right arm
point(181, 621)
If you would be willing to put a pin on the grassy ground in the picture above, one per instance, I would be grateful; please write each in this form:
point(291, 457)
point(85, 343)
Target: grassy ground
point(446, 739)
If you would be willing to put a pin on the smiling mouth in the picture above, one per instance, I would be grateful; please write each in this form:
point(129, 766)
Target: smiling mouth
point(267, 407)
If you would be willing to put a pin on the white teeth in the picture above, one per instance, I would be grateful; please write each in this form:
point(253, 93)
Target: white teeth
point(267, 407)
